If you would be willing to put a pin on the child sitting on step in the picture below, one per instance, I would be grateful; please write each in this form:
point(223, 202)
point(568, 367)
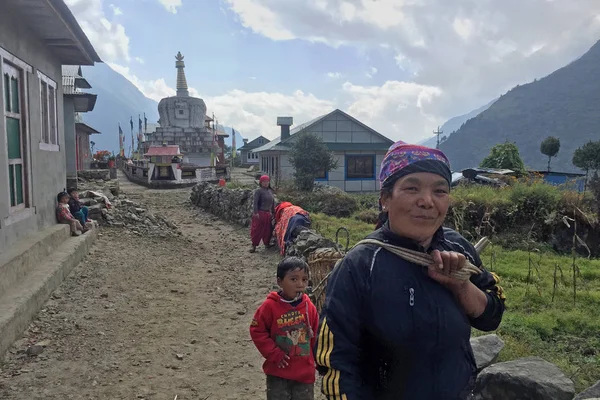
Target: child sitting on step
point(283, 330)
point(78, 210)
point(64, 216)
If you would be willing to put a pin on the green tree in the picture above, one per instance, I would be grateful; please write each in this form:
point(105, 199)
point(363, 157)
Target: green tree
point(550, 147)
point(504, 156)
point(310, 158)
point(587, 158)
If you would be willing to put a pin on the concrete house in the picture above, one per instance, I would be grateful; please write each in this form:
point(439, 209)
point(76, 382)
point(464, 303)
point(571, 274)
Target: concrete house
point(36, 39)
point(248, 157)
point(77, 133)
point(359, 151)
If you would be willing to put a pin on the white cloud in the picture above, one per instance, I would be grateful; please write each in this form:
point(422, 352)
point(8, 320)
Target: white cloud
point(108, 37)
point(372, 72)
point(116, 10)
point(395, 109)
point(471, 50)
point(140, 60)
point(334, 75)
point(255, 113)
point(154, 89)
point(171, 5)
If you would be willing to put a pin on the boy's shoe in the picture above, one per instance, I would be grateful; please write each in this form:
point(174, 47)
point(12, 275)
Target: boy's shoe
point(77, 233)
point(88, 220)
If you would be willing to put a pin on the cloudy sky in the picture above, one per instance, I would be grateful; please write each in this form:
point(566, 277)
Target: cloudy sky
point(401, 66)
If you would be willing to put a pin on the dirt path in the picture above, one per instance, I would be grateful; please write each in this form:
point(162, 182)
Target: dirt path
point(150, 317)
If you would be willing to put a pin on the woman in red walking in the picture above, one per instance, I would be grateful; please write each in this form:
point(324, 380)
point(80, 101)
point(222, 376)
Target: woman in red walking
point(264, 207)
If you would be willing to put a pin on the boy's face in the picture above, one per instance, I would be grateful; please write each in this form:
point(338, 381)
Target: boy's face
point(293, 283)
point(75, 194)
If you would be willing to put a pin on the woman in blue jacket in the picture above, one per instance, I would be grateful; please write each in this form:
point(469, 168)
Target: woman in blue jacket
point(391, 329)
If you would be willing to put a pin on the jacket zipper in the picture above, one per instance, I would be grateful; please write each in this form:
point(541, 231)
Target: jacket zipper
point(411, 303)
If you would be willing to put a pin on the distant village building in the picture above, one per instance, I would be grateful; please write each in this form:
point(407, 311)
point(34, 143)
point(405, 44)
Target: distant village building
point(77, 132)
point(164, 162)
point(247, 156)
point(183, 122)
point(359, 151)
point(36, 39)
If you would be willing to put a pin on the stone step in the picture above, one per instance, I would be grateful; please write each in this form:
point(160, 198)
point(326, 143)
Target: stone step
point(20, 303)
point(29, 252)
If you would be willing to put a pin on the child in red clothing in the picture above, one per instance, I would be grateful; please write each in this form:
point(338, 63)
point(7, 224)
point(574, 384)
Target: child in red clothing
point(283, 330)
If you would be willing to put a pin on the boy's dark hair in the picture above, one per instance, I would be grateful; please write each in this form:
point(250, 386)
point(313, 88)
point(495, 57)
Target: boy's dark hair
point(71, 190)
point(61, 195)
point(289, 264)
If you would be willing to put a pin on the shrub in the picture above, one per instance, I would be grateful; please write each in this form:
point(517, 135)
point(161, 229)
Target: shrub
point(326, 200)
point(368, 216)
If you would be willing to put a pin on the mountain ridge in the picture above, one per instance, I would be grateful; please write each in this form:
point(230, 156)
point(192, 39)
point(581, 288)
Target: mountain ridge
point(454, 123)
point(562, 104)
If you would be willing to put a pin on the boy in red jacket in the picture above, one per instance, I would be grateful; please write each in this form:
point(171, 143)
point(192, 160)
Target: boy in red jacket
point(283, 330)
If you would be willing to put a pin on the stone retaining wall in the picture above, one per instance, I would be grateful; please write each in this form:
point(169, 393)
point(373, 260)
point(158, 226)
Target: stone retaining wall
point(234, 205)
point(94, 174)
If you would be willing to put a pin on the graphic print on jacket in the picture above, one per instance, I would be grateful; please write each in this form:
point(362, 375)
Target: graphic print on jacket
point(292, 334)
point(279, 328)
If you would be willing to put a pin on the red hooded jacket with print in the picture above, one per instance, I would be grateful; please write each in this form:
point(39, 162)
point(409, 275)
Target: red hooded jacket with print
point(278, 328)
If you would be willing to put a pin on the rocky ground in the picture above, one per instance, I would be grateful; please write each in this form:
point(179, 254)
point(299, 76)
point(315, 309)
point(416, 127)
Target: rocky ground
point(159, 309)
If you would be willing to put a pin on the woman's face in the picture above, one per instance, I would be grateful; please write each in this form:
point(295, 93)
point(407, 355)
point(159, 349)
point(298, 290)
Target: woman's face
point(417, 206)
point(264, 183)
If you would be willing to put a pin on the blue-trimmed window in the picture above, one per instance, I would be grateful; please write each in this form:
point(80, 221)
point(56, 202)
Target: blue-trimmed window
point(324, 176)
point(360, 166)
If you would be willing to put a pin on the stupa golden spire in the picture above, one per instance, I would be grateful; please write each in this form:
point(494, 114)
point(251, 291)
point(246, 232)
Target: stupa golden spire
point(182, 87)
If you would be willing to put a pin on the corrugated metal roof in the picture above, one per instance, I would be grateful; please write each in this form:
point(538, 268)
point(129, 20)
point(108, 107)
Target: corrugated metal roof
point(85, 128)
point(55, 25)
point(72, 79)
point(278, 145)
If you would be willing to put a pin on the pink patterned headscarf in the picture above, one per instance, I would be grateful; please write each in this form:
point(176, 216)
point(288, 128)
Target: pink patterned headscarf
point(403, 159)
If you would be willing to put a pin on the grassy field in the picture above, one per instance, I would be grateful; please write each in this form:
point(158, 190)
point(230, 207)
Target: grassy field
point(559, 330)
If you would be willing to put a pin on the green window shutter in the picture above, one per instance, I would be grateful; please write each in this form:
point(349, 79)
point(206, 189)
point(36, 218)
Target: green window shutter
point(11, 181)
point(13, 131)
point(14, 88)
point(19, 182)
point(6, 92)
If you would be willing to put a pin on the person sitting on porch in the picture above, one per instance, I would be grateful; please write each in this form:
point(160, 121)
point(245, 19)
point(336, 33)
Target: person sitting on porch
point(289, 221)
point(64, 216)
point(78, 210)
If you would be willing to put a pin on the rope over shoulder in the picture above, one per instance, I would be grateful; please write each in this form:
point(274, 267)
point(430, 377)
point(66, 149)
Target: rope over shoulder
point(423, 259)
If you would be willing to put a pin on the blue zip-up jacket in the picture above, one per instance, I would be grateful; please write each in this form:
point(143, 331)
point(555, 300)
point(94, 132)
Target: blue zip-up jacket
point(388, 331)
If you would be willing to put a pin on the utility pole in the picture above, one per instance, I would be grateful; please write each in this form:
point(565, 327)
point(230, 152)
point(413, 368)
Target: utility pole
point(438, 133)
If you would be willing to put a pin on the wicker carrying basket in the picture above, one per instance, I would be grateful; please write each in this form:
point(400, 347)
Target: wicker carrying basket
point(321, 263)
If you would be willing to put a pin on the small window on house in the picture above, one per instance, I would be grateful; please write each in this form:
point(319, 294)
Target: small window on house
point(49, 134)
point(180, 112)
point(16, 142)
point(360, 167)
point(322, 175)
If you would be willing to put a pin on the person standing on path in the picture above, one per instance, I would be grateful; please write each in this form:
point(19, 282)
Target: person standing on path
point(262, 214)
point(283, 330)
point(390, 328)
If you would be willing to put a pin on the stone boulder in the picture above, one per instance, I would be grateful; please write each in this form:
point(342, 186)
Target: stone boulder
point(529, 378)
point(486, 349)
point(591, 393)
point(306, 242)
